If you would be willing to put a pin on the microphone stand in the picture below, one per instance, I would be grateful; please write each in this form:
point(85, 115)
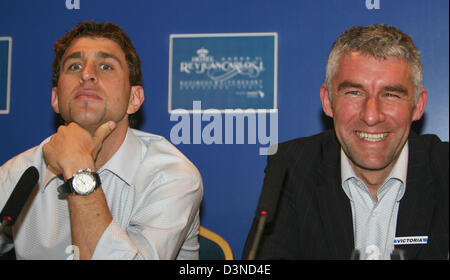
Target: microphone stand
point(259, 231)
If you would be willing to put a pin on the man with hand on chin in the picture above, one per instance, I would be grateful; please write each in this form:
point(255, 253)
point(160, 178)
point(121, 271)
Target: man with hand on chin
point(107, 191)
point(371, 185)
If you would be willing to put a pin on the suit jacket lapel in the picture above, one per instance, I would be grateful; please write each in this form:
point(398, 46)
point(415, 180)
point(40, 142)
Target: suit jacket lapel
point(416, 206)
point(334, 205)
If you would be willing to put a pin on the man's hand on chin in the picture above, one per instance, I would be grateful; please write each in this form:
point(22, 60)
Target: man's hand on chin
point(73, 148)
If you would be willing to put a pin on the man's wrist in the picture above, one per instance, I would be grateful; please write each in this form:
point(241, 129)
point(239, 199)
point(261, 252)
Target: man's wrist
point(84, 182)
point(69, 171)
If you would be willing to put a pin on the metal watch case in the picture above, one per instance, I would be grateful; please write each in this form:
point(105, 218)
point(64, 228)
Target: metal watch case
point(84, 182)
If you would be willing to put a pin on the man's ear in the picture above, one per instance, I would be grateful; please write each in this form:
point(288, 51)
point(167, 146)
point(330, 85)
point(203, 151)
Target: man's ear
point(421, 103)
point(326, 102)
point(136, 99)
point(54, 100)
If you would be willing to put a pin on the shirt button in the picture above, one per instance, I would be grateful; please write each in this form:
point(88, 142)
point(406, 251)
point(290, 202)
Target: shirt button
point(374, 214)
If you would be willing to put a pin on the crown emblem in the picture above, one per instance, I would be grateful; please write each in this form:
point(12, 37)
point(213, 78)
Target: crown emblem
point(202, 52)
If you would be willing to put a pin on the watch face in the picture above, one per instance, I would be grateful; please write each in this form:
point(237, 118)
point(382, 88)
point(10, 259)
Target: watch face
point(83, 183)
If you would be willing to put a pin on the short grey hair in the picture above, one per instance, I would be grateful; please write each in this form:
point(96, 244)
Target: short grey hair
point(379, 41)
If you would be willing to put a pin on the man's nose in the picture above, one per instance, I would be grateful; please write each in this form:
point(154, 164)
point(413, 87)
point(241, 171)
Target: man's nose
point(88, 73)
point(371, 112)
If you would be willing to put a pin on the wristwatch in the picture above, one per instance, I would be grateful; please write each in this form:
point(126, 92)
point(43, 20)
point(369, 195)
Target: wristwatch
point(83, 182)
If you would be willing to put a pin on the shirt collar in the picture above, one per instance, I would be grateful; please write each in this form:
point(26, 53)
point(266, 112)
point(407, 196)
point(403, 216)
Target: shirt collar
point(123, 163)
point(346, 169)
point(399, 171)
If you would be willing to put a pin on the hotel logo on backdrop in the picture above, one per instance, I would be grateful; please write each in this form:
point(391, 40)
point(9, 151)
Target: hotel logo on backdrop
point(5, 73)
point(223, 71)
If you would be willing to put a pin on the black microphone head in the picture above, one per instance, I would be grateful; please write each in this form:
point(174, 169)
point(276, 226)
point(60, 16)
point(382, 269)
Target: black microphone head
point(20, 194)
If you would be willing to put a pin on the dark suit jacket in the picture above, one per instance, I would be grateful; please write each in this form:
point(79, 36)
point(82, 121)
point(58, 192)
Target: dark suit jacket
point(314, 217)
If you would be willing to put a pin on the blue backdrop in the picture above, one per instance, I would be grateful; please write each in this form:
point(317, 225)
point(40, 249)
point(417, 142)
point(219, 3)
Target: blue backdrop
point(232, 174)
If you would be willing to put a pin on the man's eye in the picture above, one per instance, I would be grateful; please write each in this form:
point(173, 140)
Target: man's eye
point(353, 92)
point(389, 94)
point(75, 66)
point(105, 67)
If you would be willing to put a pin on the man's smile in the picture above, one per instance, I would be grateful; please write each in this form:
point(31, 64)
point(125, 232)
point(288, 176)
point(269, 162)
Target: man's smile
point(371, 137)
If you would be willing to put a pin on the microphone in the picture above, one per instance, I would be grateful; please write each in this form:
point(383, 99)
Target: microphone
point(396, 254)
point(267, 206)
point(17, 199)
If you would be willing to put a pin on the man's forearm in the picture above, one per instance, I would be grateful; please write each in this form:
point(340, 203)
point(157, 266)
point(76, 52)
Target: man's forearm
point(89, 218)
point(73, 148)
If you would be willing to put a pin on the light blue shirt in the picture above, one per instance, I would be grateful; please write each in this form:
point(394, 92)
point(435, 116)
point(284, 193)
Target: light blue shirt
point(152, 190)
point(374, 223)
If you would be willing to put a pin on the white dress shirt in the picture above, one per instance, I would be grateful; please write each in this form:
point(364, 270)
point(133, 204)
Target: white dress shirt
point(152, 190)
point(374, 222)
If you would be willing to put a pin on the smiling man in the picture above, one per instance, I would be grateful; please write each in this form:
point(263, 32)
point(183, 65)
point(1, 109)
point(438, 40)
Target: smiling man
point(370, 183)
point(106, 191)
